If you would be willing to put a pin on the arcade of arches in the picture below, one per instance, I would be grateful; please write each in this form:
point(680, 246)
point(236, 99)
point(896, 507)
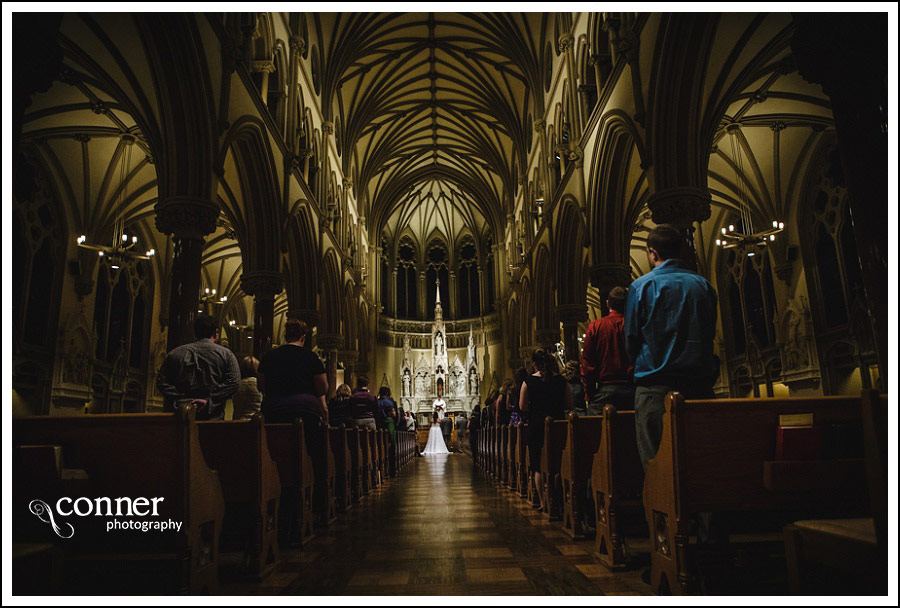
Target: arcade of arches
point(334, 167)
point(352, 170)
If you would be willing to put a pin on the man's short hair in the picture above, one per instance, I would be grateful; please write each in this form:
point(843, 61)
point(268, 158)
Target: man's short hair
point(616, 298)
point(205, 326)
point(384, 392)
point(668, 241)
point(294, 329)
point(362, 382)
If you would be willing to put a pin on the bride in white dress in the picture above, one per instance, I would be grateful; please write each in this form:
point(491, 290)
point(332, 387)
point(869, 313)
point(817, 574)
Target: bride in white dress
point(435, 443)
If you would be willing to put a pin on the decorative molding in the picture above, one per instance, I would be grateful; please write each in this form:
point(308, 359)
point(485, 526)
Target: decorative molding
point(680, 205)
point(262, 284)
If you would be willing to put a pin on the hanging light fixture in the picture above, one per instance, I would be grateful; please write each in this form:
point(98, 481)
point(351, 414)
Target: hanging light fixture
point(123, 249)
point(746, 238)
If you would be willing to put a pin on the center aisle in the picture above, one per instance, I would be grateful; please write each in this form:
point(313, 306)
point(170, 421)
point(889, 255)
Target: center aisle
point(441, 528)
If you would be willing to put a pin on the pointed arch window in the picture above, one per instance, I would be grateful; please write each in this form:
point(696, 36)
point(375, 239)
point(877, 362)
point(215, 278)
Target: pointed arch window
point(407, 292)
point(436, 268)
point(469, 292)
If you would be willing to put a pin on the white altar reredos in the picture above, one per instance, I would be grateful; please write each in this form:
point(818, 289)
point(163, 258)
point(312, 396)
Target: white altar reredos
point(457, 382)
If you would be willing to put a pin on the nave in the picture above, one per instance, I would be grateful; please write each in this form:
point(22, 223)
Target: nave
point(442, 528)
point(445, 528)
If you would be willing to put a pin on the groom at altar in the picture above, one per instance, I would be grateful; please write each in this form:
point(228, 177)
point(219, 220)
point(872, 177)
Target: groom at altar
point(447, 430)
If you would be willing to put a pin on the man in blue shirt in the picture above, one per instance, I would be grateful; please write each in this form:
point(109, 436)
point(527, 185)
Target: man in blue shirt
point(670, 322)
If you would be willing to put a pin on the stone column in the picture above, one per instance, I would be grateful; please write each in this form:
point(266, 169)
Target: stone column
point(547, 338)
point(422, 298)
point(681, 206)
point(188, 220)
point(263, 285)
point(349, 357)
point(331, 343)
point(392, 304)
point(571, 315)
point(265, 68)
point(483, 291)
point(846, 54)
point(452, 313)
point(606, 276)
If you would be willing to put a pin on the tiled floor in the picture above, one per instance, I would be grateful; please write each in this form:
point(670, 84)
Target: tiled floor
point(442, 528)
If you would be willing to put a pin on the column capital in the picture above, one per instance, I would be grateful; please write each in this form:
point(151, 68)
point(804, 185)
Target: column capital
point(308, 316)
point(547, 338)
point(330, 342)
point(297, 44)
point(566, 42)
point(571, 313)
point(605, 276)
point(328, 127)
point(681, 206)
point(262, 284)
point(265, 66)
point(186, 216)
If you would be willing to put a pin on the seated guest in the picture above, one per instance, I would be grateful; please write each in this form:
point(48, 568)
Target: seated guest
point(247, 399)
point(340, 409)
point(204, 372)
point(364, 404)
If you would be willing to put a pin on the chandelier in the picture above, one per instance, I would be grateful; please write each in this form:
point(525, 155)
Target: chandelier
point(123, 248)
point(748, 240)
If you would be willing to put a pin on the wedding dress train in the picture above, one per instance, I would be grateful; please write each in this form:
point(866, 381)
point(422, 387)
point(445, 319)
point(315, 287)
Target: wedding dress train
point(435, 443)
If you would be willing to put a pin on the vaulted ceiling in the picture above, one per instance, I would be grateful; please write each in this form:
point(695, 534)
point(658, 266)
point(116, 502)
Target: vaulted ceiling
point(422, 97)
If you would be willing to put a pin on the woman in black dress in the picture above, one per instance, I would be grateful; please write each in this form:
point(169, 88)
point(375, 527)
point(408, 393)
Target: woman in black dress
point(544, 393)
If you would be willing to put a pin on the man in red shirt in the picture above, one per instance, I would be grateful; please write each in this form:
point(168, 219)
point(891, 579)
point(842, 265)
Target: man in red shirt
point(606, 370)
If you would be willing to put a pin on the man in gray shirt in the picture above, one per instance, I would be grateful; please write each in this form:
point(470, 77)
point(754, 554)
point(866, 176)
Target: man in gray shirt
point(203, 371)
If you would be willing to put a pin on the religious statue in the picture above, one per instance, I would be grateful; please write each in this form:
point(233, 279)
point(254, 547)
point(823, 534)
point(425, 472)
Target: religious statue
point(438, 344)
point(406, 382)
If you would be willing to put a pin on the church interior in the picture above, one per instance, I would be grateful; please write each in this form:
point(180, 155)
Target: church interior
point(437, 195)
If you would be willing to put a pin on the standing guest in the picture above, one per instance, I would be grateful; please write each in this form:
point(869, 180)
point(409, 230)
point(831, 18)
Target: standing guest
point(471, 428)
point(571, 375)
point(293, 379)
point(340, 410)
point(606, 368)
point(501, 408)
point(410, 422)
point(364, 405)
point(247, 399)
point(203, 371)
point(487, 412)
point(515, 414)
point(670, 322)
point(447, 430)
point(461, 424)
point(385, 404)
point(544, 394)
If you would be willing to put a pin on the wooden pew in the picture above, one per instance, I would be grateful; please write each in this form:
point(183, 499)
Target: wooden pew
point(582, 441)
point(239, 452)
point(126, 455)
point(365, 438)
point(853, 551)
point(522, 473)
point(287, 447)
point(323, 492)
point(340, 449)
point(617, 480)
point(719, 456)
point(503, 442)
point(551, 462)
point(511, 465)
point(374, 467)
point(358, 486)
